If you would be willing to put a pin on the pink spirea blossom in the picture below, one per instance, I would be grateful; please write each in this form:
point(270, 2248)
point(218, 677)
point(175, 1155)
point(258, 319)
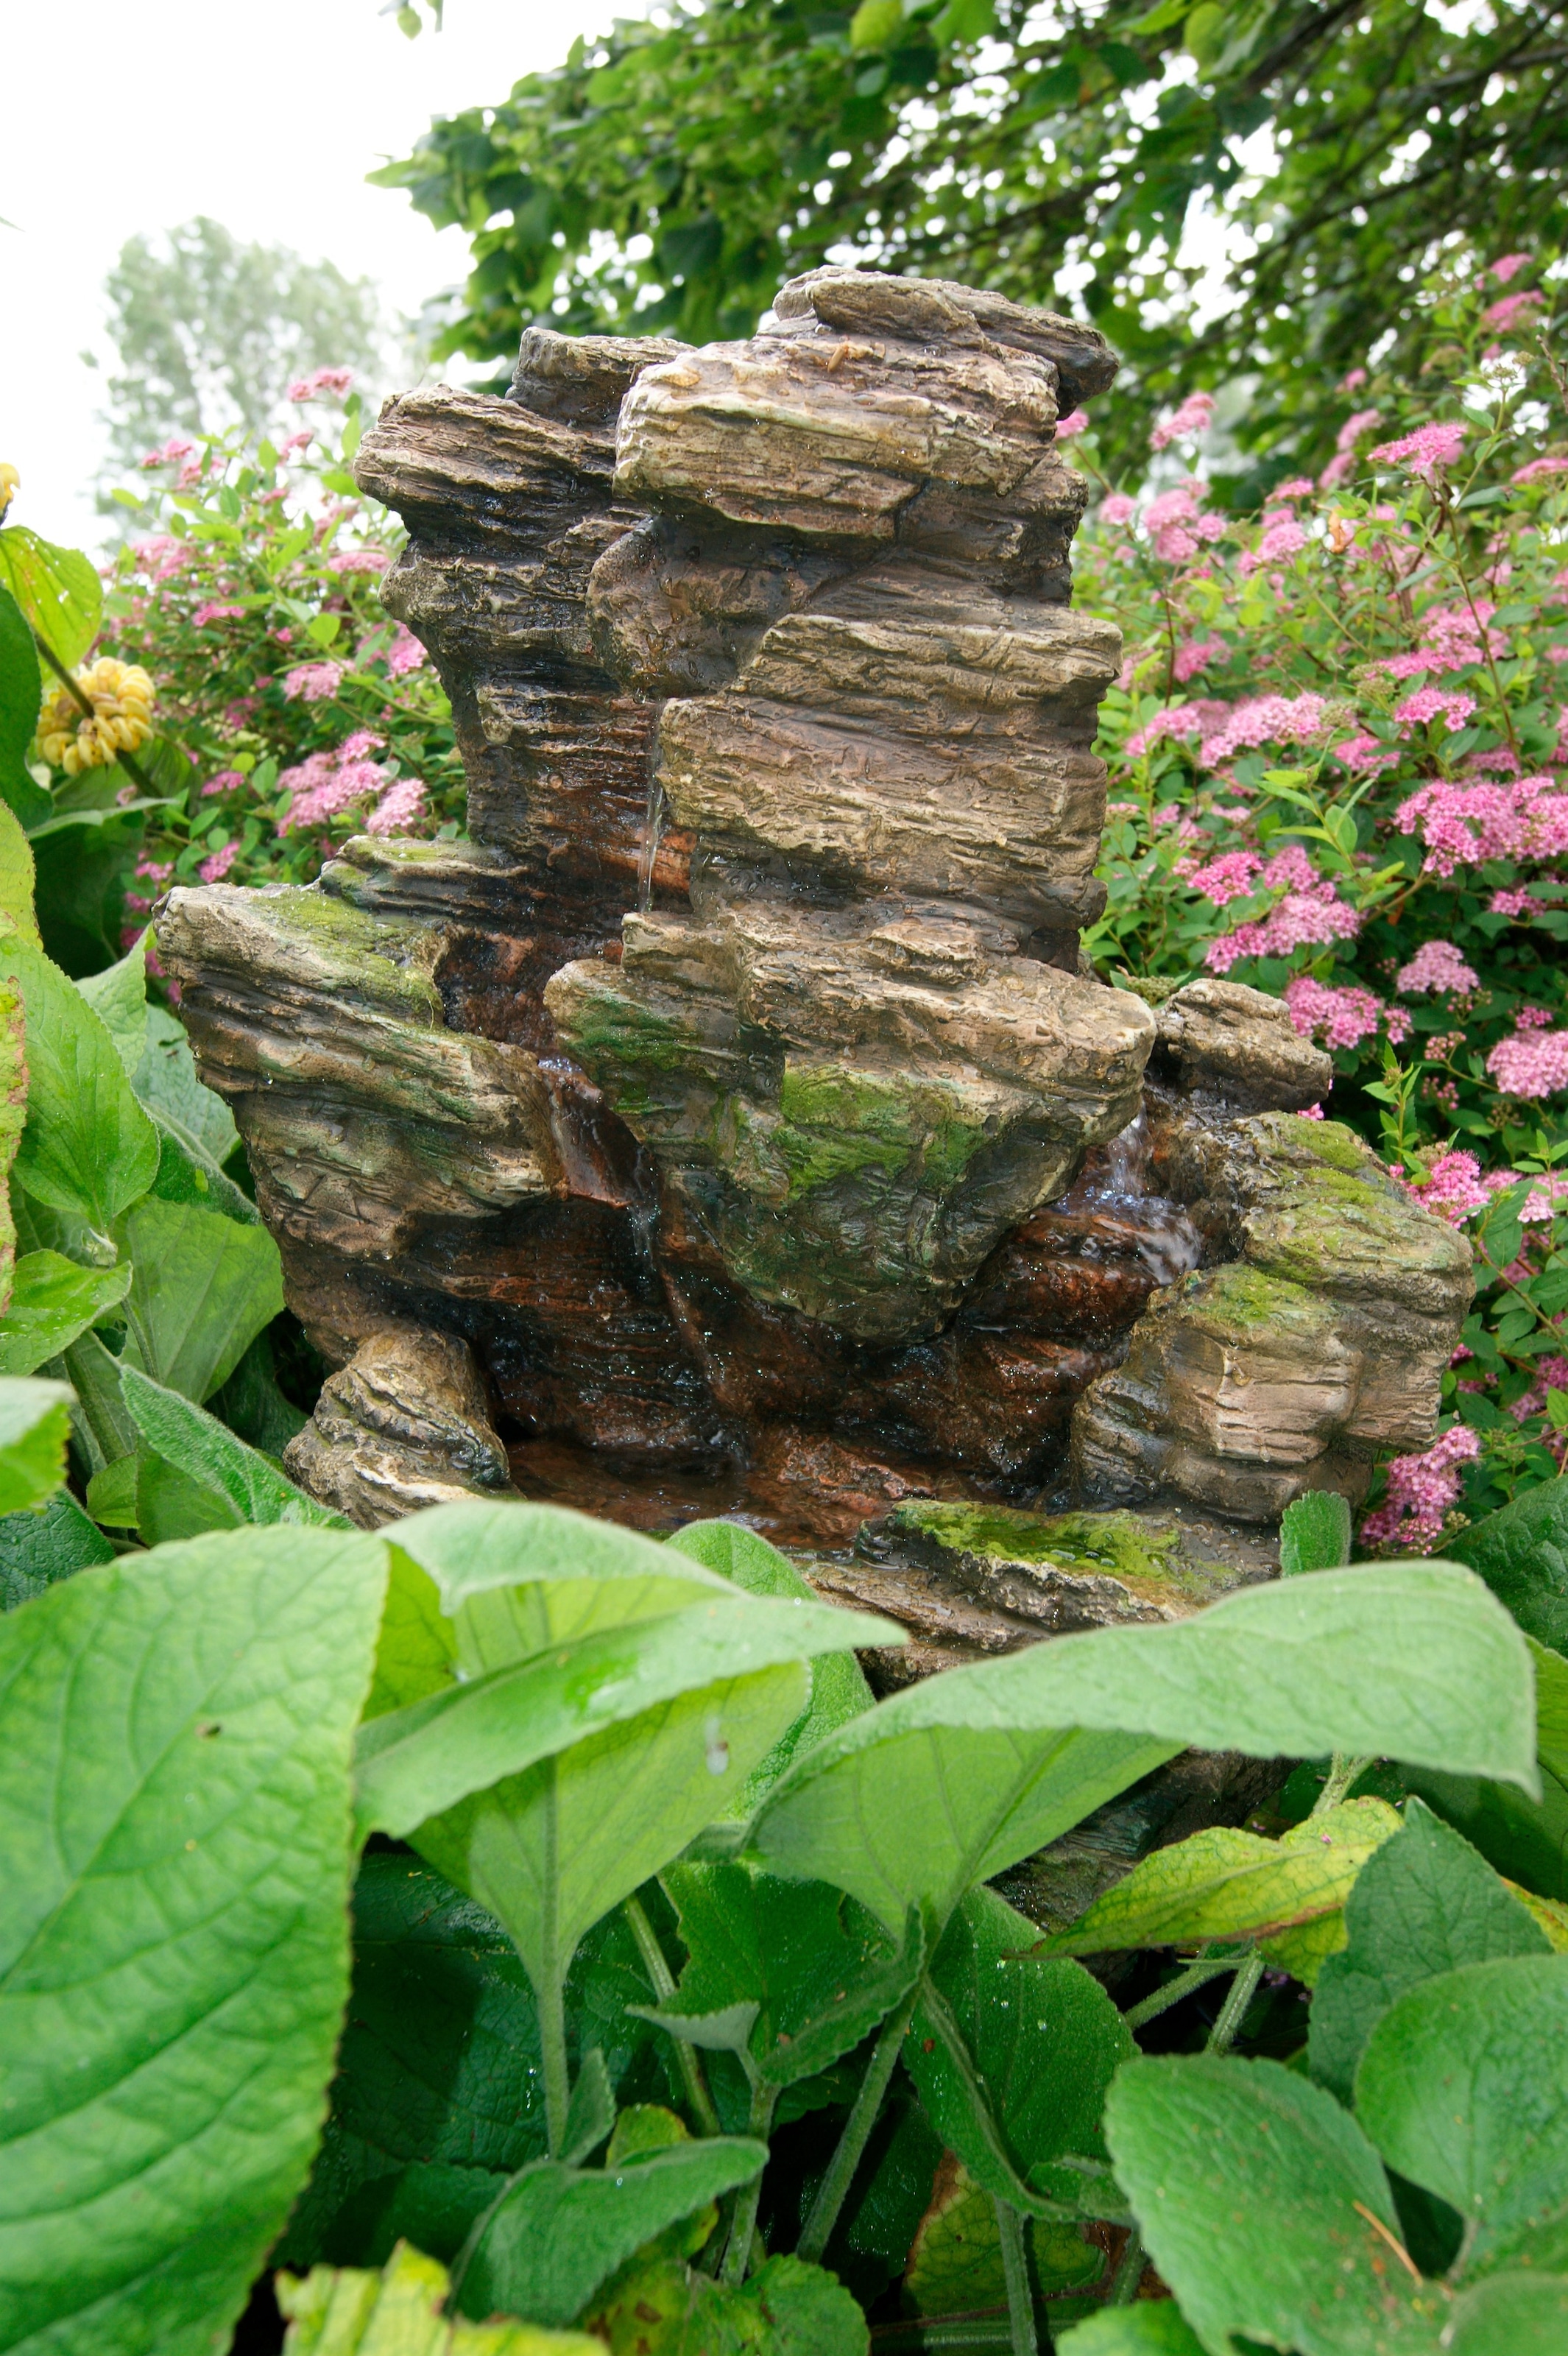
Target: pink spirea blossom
point(1194, 655)
point(237, 713)
point(1175, 544)
point(1266, 720)
point(1453, 1188)
point(1422, 1491)
point(312, 682)
point(398, 807)
point(173, 451)
point(407, 654)
point(1429, 446)
point(1531, 1064)
point(224, 782)
point(1345, 1017)
point(1299, 486)
point(1306, 919)
point(1227, 878)
point(1194, 416)
point(205, 613)
point(161, 556)
point(154, 870)
point(1514, 904)
point(1534, 1018)
point(1537, 468)
point(358, 560)
point(300, 441)
point(324, 784)
point(1436, 965)
point(214, 870)
point(1178, 505)
point(359, 746)
point(326, 380)
point(1283, 539)
point(1360, 421)
point(1075, 422)
point(1510, 311)
point(1364, 753)
point(1463, 825)
point(1507, 266)
point(1118, 509)
point(1429, 703)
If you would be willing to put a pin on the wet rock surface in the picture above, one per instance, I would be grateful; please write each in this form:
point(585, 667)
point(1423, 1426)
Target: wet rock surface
point(731, 1110)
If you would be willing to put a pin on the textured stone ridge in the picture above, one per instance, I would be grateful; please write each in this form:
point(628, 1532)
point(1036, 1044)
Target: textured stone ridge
point(1290, 1365)
point(866, 1054)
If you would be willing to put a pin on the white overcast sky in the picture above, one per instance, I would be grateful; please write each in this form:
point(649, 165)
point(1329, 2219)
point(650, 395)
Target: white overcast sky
point(265, 114)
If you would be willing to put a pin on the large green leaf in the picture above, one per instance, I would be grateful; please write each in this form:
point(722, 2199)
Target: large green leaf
point(952, 1781)
point(558, 2233)
point(194, 1475)
point(204, 1288)
point(438, 2098)
point(817, 1972)
point(57, 589)
point(1512, 2314)
point(16, 876)
point(1527, 1839)
point(1425, 1903)
point(660, 2308)
point(1265, 2209)
point(35, 1425)
point(1463, 2086)
point(402, 2312)
point(1222, 1884)
point(21, 694)
point(118, 996)
point(52, 1300)
point(166, 1082)
point(1151, 2329)
point(1521, 1552)
point(88, 1149)
point(46, 1543)
point(105, 1428)
point(174, 1775)
point(1012, 2055)
point(1315, 1533)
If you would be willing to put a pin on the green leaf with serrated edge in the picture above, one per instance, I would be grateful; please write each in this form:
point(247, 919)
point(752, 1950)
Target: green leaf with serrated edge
point(203, 1287)
point(1521, 1552)
point(438, 2098)
point(1514, 2314)
point(21, 696)
point(57, 589)
point(13, 1120)
point(659, 2308)
point(952, 1780)
point(461, 1738)
point(1315, 1533)
point(185, 1176)
point(52, 1300)
point(103, 1424)
point(17, 879)
point(46, 1543)
point(87, 1148)
point(1461, 2088)
point(1153, 2328)
point(1425, 1903)
point(1265, 2209)
point(35, 1424)
point(166, 1082)
point(817, 1972)
point(558, 2233)
point(236, 1481)
point(174, 1770)
point(1011, 2055)
point(118, 996)
point(342, 2311)
point(1222, 1884)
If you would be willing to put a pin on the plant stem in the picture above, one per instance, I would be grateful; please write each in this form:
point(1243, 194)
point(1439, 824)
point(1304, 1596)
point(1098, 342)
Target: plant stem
point(1343, 1770)
point(744, 2225)
point(659, 1972)
point(1242, 1989)
point(1196, 1975)
point(1015, 2273)
point(1129, 2271)
point(557, 2069)
point(863, 2118)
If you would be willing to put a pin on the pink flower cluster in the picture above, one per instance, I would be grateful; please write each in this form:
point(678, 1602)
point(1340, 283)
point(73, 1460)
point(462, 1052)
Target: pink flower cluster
point(1360, 421)
point(1453, 1188)
point(1507, 266)
point(1283, 537)
point(223, 783)
point(214, 870)
point(1266, 720)
point(1534, 468)
point(1515, 905)
point(1194, 655)
point(1530, 1064)
point(1422, 1492)
point(1463, 825)
point(407, 654)
point(1179, 526)
point(1429, 446)
point(312, 682)
point(358, 560)
point(398, 807)
point(324, 783)
point(1345, 1017)
point(173, 451)
point(160, 556)
point(1067, 427)
point(326, 380)
point(1301, 920)
point(205, 613)
point(1451, 637)
point(1118, 509)
point(1507, 313)
point(1194, 416)
point(1429, 703)
point(1364, 753)
point(1436, 965)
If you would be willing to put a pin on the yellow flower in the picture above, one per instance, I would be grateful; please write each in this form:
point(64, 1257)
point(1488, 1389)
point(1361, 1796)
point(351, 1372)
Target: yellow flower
point(10, 483)
point(121, 696)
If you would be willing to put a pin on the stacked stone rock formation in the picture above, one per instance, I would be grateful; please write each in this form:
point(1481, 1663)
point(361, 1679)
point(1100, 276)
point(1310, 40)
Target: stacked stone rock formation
point(734, 1094)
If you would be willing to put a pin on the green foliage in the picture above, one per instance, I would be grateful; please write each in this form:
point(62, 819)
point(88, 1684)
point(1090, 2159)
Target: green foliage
point(1315, 1533)
point(87, 1150)
point(34, 1420)
point(675, 171)
point(402, 2312)
point(52, 1300)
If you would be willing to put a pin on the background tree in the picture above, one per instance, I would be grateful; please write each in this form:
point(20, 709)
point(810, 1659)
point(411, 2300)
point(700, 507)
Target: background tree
point(672, 174)
point(209, 333)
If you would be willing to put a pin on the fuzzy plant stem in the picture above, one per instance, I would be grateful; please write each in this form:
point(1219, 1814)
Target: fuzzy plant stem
point(1197, 1975)
point(1244, 1987)
point(845, 2160)
point(744, 2226)
point(1015, 2273)
point(659, 1972)
point(557, 2069)
point(1342, 1772)
point(1129, 2271)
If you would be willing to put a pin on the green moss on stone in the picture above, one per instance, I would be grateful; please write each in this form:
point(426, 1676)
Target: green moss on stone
point(612, 1031)
point(1114, 1542)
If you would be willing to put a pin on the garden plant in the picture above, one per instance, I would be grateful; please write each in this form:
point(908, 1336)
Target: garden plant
point(507, 1932)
